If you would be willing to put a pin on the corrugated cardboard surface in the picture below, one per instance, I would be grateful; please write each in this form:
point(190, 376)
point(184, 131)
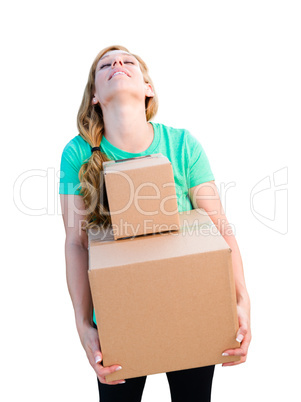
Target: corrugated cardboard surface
point(135, 190)
point(164, 302)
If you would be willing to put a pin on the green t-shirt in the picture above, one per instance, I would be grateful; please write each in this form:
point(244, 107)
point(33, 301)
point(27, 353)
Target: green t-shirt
point(187, 156)
point(189, 162)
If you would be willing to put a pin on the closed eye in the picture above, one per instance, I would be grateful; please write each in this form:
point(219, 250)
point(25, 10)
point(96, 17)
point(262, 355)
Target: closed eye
point(104, 65)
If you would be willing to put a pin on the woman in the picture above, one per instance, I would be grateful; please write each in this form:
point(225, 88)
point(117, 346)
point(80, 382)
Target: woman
point(114, 123)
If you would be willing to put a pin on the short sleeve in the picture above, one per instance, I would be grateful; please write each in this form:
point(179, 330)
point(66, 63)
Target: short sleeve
point(198, 166)
point(69, 169)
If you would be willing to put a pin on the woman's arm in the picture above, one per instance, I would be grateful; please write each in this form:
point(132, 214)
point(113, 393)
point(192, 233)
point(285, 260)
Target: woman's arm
point(76, 254)
point(206, 196)
point(78, 283)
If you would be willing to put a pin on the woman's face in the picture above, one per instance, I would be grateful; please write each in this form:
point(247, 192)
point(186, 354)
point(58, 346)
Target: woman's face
point(127, 84)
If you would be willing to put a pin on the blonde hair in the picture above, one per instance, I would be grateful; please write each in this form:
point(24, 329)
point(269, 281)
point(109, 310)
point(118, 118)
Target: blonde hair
point(91, 127)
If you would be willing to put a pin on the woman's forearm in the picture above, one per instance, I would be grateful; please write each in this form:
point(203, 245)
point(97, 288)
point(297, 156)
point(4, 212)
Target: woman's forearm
point(242, 295)
point(226, 231)
point(206, 196)
point(78, 284)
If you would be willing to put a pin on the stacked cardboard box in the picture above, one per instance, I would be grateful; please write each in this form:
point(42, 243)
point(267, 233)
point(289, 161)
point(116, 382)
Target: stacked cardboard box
point(164, 299)
point(141, 195)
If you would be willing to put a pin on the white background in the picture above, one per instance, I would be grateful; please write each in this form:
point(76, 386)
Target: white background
point(229, 71)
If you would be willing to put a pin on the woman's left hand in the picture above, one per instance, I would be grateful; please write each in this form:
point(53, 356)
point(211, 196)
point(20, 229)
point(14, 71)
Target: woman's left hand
point(243, 335)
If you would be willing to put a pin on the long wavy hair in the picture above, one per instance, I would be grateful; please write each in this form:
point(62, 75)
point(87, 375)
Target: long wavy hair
point(90, 125)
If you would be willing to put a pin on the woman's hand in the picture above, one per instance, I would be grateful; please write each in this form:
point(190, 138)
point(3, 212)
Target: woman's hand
point(243, 335)
point(90, 341)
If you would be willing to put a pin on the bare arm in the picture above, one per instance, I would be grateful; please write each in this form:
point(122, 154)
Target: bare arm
point(78, 285)
point(206, 196)
point(76, 254)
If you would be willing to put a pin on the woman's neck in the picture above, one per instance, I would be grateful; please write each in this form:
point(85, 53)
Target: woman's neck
point(126, 128)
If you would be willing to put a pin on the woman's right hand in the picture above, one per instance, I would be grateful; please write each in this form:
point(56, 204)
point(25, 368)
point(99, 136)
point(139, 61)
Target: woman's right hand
point(90, 341)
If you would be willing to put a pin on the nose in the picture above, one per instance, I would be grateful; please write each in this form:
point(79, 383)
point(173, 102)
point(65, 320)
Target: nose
point(118, 60)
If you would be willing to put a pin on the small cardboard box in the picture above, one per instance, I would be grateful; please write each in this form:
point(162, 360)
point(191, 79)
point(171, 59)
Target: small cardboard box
point(141, 195)
point(163, 302)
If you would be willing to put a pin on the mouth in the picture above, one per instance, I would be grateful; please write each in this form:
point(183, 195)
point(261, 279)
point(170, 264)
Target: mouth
point(119, 73)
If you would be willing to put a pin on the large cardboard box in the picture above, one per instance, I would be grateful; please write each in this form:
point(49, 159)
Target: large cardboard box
point(141, 195)
point(164, 302)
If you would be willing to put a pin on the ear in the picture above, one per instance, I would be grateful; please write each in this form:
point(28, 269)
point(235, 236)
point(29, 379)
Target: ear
point(149, 90)
point(94, 100)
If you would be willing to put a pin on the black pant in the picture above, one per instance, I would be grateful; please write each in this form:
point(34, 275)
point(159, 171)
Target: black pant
point(191, 385)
